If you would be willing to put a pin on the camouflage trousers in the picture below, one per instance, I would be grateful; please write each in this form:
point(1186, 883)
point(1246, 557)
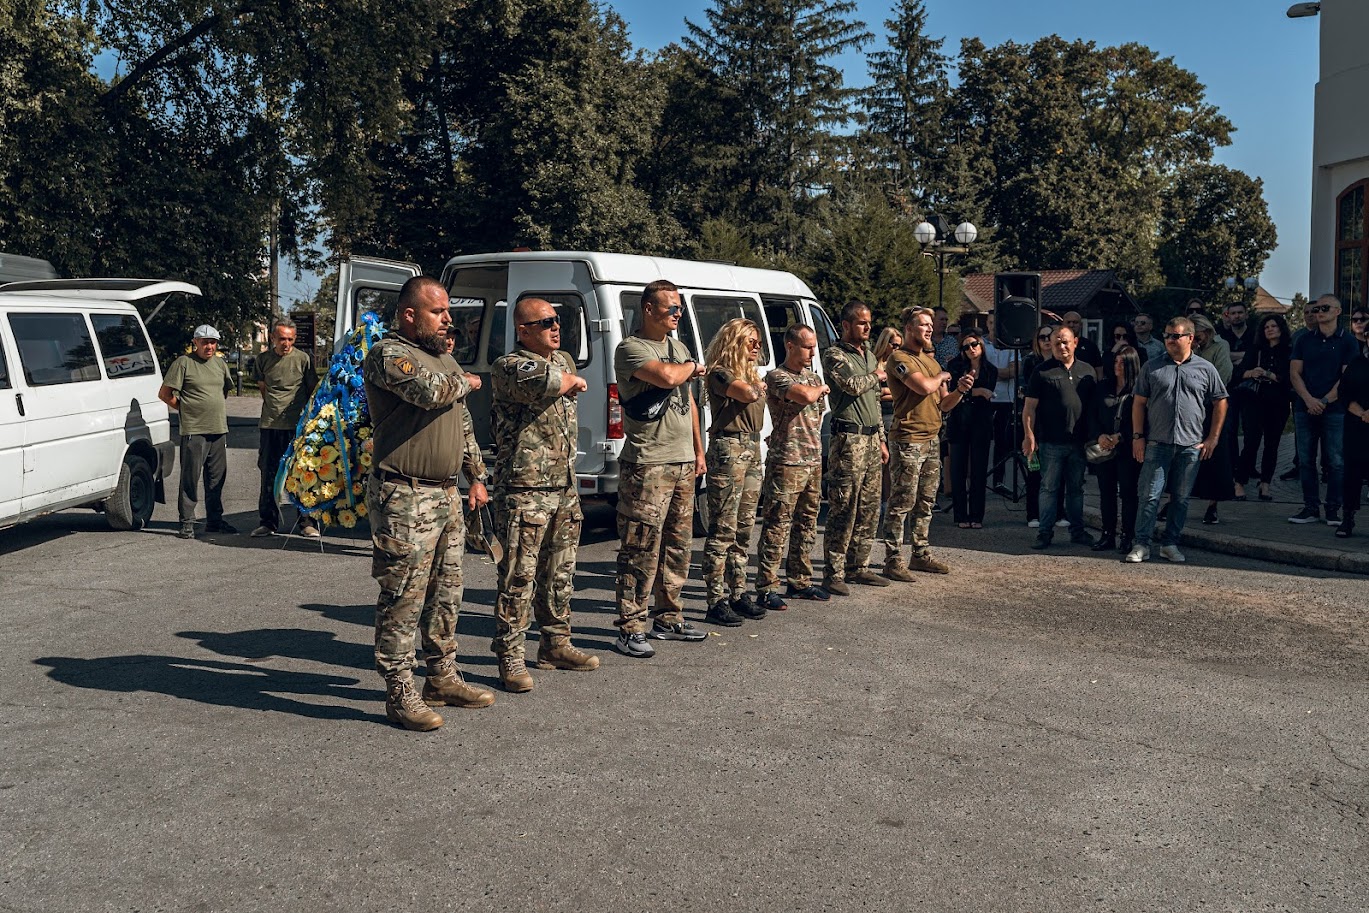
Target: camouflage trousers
point(790, 498)
point(914, 474)
point(418, 536)
point(541, 534)
point(855, 472)
point(655, 533)
point(734, 487)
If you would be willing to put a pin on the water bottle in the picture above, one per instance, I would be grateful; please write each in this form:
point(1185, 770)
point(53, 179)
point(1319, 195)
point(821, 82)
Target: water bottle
point(1034, 461)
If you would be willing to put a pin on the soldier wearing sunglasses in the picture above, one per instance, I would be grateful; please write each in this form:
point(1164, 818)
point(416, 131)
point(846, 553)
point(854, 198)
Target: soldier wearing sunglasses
point(536, 507)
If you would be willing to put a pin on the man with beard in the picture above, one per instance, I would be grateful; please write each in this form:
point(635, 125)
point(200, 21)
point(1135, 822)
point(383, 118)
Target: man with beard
point(423, 437)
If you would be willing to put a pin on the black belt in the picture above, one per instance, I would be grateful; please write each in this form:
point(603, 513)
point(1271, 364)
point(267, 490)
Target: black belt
point(846, 427)
point(740, 435)
point(386, 476)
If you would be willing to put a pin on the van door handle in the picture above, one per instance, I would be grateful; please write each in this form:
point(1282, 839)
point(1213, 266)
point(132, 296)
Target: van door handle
point(19, 401)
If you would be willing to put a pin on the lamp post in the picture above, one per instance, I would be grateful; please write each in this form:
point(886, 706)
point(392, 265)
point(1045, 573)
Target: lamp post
point(935, 236)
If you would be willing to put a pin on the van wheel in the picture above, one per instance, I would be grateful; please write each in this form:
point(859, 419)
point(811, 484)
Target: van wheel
point(130, 507)
point(701, 513)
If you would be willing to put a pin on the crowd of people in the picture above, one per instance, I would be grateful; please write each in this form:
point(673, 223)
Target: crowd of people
point(1155, 417)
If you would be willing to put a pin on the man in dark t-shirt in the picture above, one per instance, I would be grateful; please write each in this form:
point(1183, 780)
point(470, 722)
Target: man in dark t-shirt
point(1054, 425)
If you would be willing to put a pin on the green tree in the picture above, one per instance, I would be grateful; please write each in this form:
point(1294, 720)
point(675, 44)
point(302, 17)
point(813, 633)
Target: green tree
point(1214, 224)
point(776, 98)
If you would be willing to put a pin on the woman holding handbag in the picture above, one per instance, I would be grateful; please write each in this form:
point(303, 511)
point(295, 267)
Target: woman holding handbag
point(1118, 472)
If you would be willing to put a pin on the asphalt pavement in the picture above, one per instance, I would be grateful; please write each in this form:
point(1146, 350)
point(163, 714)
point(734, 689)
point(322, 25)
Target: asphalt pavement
point(196, 725)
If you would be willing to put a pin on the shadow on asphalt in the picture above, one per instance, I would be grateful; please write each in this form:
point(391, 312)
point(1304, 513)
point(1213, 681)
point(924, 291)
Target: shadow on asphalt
point(222, 684)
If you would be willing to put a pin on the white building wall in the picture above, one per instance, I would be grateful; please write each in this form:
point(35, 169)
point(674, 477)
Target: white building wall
point(1340, 141)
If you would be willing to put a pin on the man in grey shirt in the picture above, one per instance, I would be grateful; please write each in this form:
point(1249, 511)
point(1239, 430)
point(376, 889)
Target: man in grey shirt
point(1172, 396)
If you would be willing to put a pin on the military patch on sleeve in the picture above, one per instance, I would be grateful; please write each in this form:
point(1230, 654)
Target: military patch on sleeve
point(527, 367)
point(902, 368)
point(404, 366)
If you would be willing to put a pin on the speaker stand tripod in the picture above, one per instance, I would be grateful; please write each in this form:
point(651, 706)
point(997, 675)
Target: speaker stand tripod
point(1018, 491)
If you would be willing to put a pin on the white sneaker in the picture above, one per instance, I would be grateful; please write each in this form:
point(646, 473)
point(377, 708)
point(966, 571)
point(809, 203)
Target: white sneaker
point(1061, 524)
point(262, 532)
point(1033, 524)
point(1138, 554)
point(1172, 553)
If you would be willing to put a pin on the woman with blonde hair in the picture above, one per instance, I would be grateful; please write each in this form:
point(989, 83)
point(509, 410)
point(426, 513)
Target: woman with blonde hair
point(736, 401)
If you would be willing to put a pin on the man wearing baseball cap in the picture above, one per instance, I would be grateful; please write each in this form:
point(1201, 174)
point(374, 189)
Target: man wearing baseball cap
point(196, 386)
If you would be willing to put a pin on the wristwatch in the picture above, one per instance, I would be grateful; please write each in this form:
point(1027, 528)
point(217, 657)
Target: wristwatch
point(1137, 436)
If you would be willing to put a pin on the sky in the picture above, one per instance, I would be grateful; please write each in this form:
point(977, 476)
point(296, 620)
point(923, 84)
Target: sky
point(1259, 67)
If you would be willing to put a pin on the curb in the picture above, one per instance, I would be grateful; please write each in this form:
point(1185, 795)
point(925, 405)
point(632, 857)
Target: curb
point(1323, 559)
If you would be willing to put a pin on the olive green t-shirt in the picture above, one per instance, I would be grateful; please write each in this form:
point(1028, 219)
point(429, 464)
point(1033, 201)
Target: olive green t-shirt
point(670, 438)
point(200, 385)
point(730, 414)
point(917, 416)
point(289, 383)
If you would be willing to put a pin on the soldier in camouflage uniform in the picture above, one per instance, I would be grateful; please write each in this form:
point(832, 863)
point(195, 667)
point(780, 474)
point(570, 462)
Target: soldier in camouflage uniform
point(920, 398)
point(423, 436)
point(792, 490)
point(661, 459)
point(537, 509)
point(735, 396)
point(856, 458)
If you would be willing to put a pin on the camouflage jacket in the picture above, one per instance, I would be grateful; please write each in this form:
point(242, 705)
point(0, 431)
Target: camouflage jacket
point(535, 428)
point(850, 371)
point(421, 425)
point(797, 436)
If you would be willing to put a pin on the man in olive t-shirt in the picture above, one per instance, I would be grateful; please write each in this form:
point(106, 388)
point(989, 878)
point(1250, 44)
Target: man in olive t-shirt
point(285, 376)
point(658, 467)
point(195, 386)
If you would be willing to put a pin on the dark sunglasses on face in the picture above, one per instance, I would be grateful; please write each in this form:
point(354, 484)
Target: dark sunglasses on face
point(1119, 335)
point(968, 346)
point(1174, 337)
point(1359, 319)
point(674, 310)
point(1319, 309)
point(1045, 337)
point(545, 323)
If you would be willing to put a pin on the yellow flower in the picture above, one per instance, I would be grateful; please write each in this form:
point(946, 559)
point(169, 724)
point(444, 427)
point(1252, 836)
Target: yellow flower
point(361, 510)
point(365, 461)
point(328, 454)
point(357, 489)
point(347, 518)
point(326, 518)
point(308, 478)
point(328, 491)
point(328, 471)
point(292, 484)
point(308, 499)
point(363, 433)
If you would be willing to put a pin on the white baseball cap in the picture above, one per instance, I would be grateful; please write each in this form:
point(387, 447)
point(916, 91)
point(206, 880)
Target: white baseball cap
point(205, 331)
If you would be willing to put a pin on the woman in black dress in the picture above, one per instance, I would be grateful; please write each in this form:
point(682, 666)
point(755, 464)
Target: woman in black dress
point(1265, 366)
point(1110, 428)
point(969, 431)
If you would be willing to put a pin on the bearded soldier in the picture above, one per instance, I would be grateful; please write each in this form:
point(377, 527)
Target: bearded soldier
point(537, 510)
point(423, 436)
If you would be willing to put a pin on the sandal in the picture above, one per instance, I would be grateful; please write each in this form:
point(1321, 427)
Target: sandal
point(963, 525)
point(1264, 492)
point(976, 526)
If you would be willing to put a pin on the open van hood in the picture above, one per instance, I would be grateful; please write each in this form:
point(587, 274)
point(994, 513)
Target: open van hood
point(100, 289)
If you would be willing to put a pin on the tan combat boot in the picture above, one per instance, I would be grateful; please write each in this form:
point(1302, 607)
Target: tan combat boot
point(927, 564)
point(513, 673)
point(896, 569)
point(561, 655)
point(867, 577)
point(403, 706)
point(444, 686)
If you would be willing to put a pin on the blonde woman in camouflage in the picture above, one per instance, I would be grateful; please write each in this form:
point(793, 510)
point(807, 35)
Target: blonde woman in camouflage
point(736, 402)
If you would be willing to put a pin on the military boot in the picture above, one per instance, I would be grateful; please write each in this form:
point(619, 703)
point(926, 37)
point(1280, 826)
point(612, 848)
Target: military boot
point(895, 568)
point(513, 673)
point(560, 654)
point(928, 565)
point(403, 706)
point(445, 687)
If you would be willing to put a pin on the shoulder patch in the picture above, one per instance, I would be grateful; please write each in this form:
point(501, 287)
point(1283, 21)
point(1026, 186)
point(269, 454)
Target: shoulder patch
point(527, 366)
point(901, 368)
point(404, 365)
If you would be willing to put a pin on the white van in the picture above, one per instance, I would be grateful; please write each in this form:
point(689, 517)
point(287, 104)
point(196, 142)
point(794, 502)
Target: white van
point(80, 421)
point(598, 298)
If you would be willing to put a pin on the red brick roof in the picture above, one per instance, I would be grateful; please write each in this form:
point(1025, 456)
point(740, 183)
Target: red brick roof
point(1062, 290)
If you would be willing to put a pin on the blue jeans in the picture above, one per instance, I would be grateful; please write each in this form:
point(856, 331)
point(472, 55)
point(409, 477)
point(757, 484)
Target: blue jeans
point(1326, 430)
point(1057, 461)
point(1167, 468)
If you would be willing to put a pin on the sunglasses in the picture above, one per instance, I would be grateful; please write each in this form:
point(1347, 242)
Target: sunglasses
point(674, 311)
point(1319, 309)
point(1119, 335)
point(545, 323)
point(968, 346)
point(1044, 338)
point(753, 343)
point(1359, 319)
point(1173, 337)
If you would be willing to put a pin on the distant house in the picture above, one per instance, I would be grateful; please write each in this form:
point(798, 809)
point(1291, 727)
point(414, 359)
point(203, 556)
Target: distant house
point(1095, 293)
